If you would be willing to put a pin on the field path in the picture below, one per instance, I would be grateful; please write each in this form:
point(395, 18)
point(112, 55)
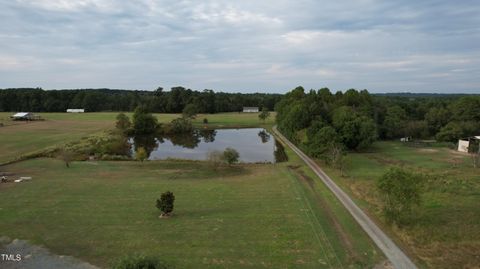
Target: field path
point(384, 243)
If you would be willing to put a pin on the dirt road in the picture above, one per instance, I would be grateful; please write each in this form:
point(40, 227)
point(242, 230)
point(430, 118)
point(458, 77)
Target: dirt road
point(384, 243)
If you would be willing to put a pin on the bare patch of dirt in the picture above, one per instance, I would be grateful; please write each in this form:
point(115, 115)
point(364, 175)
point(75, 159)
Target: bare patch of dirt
point(458, 154)
point(386, 264)
point(427, 150)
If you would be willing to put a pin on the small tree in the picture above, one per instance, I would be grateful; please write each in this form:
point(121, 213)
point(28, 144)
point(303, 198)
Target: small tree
point(205, 121)
point(190, 111)
point(215, 158)
point(230, 156)
point(264, 114)
point(401, 192)
point(141, 154)
point(165, 203)
point(66, 156)
point(475, 149)
point(337, 157)
point(123, 123)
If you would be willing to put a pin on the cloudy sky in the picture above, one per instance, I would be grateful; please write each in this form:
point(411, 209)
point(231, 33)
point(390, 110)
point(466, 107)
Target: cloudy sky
point(248, 46)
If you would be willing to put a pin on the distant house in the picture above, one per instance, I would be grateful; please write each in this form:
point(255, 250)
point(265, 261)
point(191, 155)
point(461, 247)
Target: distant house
point(25, 116)
point(75, 110)
point(249, 109)
point(469, 144)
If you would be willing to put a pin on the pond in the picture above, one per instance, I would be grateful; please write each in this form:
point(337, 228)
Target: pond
point(255, 145)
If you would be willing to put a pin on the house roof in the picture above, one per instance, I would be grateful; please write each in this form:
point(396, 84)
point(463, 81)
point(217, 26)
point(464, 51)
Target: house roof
point(471, 137)
point(21, 114)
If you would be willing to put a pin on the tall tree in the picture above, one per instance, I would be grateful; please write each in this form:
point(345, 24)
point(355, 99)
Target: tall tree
point(144, 122)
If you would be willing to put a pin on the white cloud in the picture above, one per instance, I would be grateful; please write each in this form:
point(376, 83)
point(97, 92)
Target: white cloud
point(248, 45)
point(70, 5)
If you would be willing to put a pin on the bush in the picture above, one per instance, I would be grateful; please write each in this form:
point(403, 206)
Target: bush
point(230, 156)
point(401, 192)
point(141, 154)
point(180, 125)
point(215, 158)
point(205, 121)
point(123, 123)
point(165, 203)
point(190, 111)
point(144, 122)
point(66, 156)
point(140, 262)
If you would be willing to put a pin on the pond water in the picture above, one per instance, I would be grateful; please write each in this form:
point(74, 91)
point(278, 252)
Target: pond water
point(253, 144)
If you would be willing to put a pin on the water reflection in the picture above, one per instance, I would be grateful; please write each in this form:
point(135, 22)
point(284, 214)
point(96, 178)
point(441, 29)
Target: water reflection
point(280, 155)
point(253, 144)
point(264, 136)
point(148, 142)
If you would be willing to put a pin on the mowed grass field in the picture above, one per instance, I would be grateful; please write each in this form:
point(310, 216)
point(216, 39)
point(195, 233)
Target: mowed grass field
point(247, 216)
point(256, 216)
point(446, 233)
point(22, 138)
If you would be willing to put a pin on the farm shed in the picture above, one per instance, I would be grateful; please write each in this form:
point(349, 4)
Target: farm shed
point(25, 116)
point(469, 144)
point(75, 110)
point(250, 109)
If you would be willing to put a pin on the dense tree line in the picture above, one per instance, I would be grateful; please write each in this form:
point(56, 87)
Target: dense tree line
point(93, 100)
point(321, 121)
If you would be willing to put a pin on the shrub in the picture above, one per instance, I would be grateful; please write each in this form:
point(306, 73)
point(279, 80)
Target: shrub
point(215, 158)
point(180, 125)
point(401, 192)
point(190, 111)
point(230, 156)
point(123, 123)
point(205, 121)
point(66, 156)
point(140, 262)
point(141, 154)
point(165, 203)
point(144, 122)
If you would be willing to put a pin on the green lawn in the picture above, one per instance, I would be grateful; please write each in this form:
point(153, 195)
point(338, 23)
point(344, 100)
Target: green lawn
point(268, 216)
point(246, 216)
point(447, 229)
point(22, 138)
point(229, 119)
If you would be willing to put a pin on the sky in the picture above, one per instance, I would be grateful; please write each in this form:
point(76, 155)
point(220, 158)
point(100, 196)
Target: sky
point(242, 46)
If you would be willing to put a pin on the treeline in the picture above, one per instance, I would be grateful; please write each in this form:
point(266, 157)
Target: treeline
point(319, 120)
point(160, 101)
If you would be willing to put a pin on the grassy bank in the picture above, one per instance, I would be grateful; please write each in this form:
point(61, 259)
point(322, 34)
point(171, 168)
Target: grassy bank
point(446, 233)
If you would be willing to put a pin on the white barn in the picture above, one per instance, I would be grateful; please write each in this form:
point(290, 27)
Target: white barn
point(250, 109)
point(466, 144)
point(75, 110)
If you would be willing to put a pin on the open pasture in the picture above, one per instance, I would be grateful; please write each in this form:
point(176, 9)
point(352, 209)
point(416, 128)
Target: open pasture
point(245, 216)
point(446, 231)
